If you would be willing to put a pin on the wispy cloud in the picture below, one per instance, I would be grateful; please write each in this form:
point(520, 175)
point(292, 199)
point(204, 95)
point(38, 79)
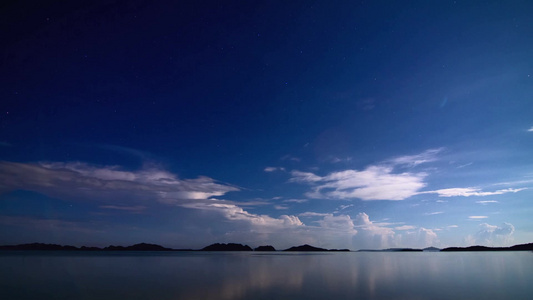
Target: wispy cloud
point(405, 227)
point(433, 213)
point(335, 159)
point(290, 157)
point(465, 165)
point(295, 200)
point(75, 180)
point(133, 209)
point(373, 183)
point(477, 217)
point(312, 214)
point(414, 160)
point(274, 169)
point(304, 177)
point(530, 129)
point(452, 226)
point(470, 191)
point(486, 202)
point(343, 207)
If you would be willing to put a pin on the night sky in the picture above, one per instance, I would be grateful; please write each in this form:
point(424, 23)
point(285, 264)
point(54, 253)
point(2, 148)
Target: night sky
point(341, 124)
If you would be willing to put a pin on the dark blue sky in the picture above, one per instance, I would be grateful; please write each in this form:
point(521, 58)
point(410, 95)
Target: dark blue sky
point(345, 124)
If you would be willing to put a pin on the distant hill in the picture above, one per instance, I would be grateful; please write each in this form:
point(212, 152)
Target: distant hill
point(227, 247)
point(265, 248)
point(54, 247)
point(240, 247)
point(309, 248)
point(521, 247)
point(431, 249)
point(138, 247)
point(392, 250)
point(38, 246)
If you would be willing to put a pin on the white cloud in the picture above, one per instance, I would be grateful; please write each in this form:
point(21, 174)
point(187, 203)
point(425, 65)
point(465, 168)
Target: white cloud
point(405, 227)
point(452, 226)
point(372, 235)
point(312, 214)
point(492, 235)
point(470, 191)
point(427, 236)
point(295, 200)
point(373, 183)
point(486, 202)
point(414, 160)
point(433, 213)
point(343, 207)
point(236, 213)
point(477, 217)
point(306, 177)
point(281, 207)
point(530, 129)
point(273, 169)
point(340, 223)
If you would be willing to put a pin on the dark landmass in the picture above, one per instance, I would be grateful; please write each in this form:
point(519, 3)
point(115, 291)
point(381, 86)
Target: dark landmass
point(308, 248)
point(265, 248)
point(138, 247)
point(227, 247)
point(431, 249)
point(240, 247)
point(392, 250)
point(39, 246)
point(305, 248)
point(54, 247)
point(521, 247)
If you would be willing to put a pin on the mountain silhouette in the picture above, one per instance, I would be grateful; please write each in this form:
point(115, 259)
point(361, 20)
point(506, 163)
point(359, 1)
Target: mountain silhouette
point(227, 247)
point(240, 247)
point(138, 247)
point(521, 247)
point(309, 248)
point(265, 248)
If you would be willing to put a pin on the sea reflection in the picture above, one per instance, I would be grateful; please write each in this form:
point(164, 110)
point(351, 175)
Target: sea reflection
point(278, 275)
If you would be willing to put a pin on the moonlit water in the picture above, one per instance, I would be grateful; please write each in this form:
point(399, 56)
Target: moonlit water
point(266, 275)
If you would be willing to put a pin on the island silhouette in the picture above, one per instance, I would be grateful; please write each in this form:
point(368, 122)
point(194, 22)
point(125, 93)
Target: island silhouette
point(241, 247)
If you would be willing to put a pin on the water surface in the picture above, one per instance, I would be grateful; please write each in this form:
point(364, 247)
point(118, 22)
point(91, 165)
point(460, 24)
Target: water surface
point(266, 275)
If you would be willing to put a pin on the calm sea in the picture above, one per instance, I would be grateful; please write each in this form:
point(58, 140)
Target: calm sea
point(253, 275)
